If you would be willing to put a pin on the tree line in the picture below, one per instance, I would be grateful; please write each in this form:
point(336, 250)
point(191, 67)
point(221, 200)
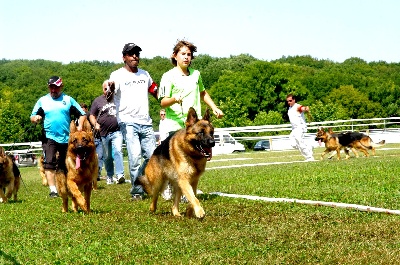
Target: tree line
point(248, 90)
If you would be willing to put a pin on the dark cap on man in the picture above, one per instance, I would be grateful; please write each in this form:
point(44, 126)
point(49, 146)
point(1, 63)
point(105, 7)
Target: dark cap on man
point(55, 80)
point(130, 47)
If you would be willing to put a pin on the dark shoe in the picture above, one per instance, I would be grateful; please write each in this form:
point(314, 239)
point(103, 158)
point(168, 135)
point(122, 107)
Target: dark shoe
point(137, 197)
point(121, 180)
point(53, 194)
point(98, 178)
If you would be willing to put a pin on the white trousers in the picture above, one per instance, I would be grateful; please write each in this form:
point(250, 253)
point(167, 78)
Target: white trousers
point(297, 141)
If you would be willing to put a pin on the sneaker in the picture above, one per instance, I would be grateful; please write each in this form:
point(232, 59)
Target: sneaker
point(167, 193)
point(137, 197)
point(110, 181)
point(53, 194)
point(184, 199)
point(98, 178)
point(310, 159)
point(121, 180)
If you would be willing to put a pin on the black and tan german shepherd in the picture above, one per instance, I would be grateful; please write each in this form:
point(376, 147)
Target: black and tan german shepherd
point(10, 177)
point(181, 160)
point(353, 140)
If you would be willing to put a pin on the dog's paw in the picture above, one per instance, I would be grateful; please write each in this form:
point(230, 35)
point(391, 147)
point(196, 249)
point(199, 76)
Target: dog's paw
point(199, 212)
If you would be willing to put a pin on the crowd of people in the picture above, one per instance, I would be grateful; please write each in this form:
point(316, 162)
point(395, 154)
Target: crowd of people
point(121, 114)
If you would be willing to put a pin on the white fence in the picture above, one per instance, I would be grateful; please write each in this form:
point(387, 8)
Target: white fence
point(387, 129)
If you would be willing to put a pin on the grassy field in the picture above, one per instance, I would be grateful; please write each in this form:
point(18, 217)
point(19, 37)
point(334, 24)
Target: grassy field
point(234, 231)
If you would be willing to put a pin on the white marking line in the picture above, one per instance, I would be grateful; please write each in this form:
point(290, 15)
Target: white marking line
point(259, 164)
point(362, 208)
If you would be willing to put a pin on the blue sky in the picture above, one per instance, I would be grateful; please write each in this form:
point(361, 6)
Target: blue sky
point(76, 30)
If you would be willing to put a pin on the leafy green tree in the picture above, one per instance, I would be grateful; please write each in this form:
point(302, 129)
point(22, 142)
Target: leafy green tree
point(356, 104)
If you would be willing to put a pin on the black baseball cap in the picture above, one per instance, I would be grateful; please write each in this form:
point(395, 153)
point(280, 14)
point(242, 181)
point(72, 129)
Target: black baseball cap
point(130, 47)
point(55, 80)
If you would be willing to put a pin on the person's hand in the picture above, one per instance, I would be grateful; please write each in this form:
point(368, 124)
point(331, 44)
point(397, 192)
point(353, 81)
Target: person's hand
point(37, 119)
point(306, 109)
point(218, 113)
point(178, 99)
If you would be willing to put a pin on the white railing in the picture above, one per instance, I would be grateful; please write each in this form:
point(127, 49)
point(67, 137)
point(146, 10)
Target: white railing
point(390, 131)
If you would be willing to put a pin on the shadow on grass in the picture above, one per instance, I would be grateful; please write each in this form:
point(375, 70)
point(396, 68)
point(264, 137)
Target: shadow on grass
point(9, 258)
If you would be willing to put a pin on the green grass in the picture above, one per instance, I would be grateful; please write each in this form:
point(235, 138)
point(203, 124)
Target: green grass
point(234, 231)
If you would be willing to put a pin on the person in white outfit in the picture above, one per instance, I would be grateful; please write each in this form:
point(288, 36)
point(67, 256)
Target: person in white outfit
point(299, 127)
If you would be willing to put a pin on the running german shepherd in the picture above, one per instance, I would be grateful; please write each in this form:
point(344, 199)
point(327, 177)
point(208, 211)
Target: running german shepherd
point(10, 177)
point(82, 169)
point(353, 140)
point(181, 160)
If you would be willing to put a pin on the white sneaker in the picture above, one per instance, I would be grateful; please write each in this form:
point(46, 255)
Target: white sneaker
point(310, 159)
point(110, 181)
point(167, 193)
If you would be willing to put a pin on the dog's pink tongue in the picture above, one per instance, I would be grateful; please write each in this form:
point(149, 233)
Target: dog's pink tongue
point(78, 162)
point(319, 142)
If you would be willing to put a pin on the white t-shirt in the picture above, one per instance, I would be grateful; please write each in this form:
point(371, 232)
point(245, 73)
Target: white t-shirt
point(131, 95)
point(296, 117)
point(164, 128)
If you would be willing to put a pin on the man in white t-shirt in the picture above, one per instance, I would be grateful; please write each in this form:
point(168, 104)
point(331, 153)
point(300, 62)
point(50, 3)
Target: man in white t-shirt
point(163, 127)
point(299, 127)
point(132, 88)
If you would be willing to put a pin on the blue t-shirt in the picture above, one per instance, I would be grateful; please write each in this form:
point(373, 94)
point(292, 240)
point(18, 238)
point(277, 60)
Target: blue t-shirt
point(56, 114)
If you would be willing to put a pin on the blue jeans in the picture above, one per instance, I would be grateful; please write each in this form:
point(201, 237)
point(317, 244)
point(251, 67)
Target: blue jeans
point(112, 154)
point(140, 142)
point(99, 151)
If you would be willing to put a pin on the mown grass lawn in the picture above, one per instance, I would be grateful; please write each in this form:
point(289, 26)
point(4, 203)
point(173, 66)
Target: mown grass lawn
point(234, 231)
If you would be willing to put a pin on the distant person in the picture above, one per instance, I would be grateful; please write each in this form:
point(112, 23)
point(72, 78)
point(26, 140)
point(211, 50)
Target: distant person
point(163, 127)
point(55, 110)
point(103, 115)
point(299, 127)
point(97, 141)
point(132, 88)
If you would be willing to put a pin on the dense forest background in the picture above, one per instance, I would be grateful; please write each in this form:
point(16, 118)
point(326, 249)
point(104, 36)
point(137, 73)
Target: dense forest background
point(248, 90)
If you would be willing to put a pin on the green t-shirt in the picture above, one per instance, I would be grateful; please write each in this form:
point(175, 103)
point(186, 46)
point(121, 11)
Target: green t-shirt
point(173, 84)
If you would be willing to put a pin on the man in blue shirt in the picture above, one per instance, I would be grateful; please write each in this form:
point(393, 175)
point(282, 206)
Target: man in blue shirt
point(55, 110)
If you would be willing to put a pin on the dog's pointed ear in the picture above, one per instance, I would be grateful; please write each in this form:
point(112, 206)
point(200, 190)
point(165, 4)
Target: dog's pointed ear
point(72, 127)
point(2, 152)
point(192, 117)
point(206, 115)
point(86, 126)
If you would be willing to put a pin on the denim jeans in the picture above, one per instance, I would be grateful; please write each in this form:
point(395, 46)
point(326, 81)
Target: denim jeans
point(99, 151)
point(112, 154)
point(140, 142)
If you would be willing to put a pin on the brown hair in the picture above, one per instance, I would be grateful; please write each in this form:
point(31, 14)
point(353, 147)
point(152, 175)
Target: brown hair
point(178, 46)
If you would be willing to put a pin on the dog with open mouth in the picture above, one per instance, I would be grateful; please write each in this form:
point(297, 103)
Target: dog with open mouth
point(82, 169)
point(181, 159)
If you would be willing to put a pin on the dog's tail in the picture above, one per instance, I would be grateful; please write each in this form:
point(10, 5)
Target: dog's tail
point(370, 144)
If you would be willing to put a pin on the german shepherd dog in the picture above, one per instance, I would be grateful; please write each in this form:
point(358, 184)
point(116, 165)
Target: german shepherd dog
point(10, 176)
point(181, 159)
point(352, 140)
point(82, 169)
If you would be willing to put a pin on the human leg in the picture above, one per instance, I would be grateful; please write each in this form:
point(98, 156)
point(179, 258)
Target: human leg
point(107, 157)
point(50, 164)
point(304, 148)
point(131, 137)
point(116, 143)
point(100, 154)
point(148, 144)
